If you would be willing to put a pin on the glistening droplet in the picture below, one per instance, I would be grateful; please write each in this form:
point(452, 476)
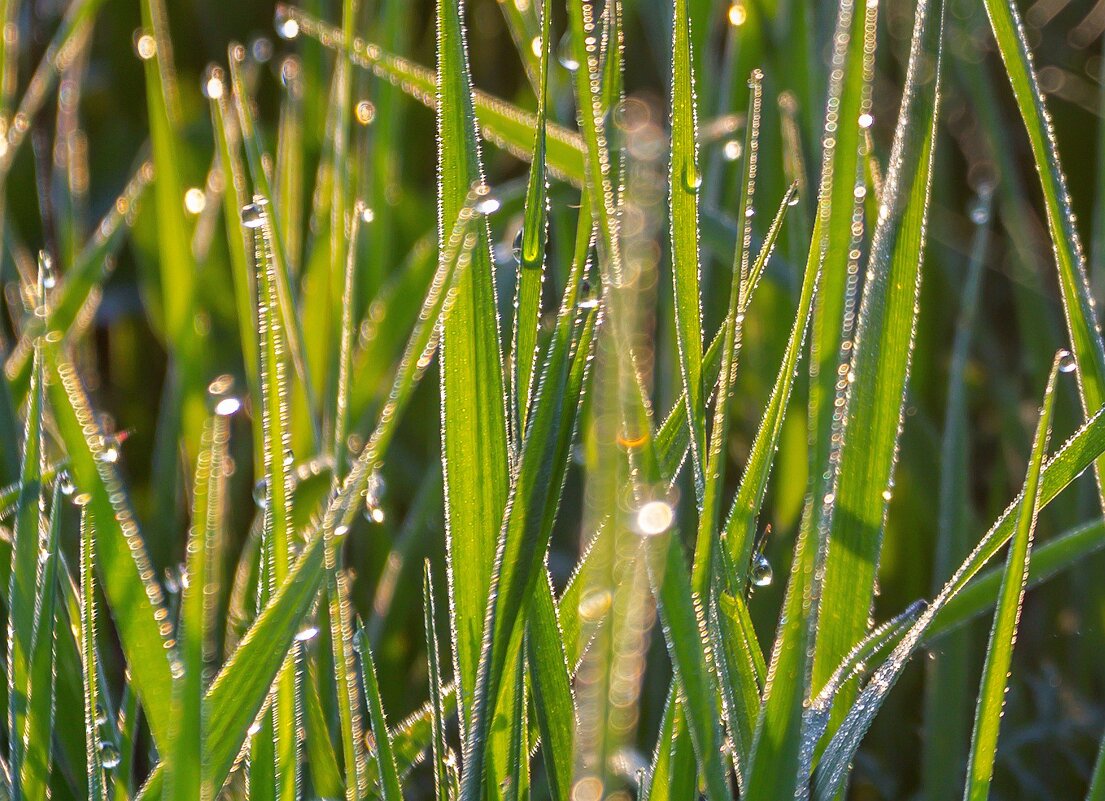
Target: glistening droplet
point(565, 53)
point(287, 27)
point(253, 215)
point(762, 574)
point(109, 755)
point(1067, 363)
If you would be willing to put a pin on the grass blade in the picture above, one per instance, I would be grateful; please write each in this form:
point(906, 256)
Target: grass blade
point(1078, 304)
point(385, 757)
point(999, 653)
point(439, 747)
point(91, 669)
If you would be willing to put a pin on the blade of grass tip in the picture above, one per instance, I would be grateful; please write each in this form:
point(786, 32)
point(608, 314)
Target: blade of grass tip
point(96, 786)
point(946, 685)
point(873, 385)
point(186, 775)
point(473, 411)
point(124, 566)
point(391, 790)
point(834, 765)
point(235, 192)
point(255, 160)
point(1097, 781)
point(278, 458)
point(672, 773)
point(999, 652)
point(1078, 304)
point(530, 38)
point(439, 747)
point(534, 234)
point(34, 775)
point(684, 185)
point(773, 763)
point(27, 543)
point(345, 348)
point(290, 153)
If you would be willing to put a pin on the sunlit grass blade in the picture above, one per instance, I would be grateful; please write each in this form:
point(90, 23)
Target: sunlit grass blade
point(553, 702)
point(27, 542)
point(741, 671)
point(1080, 451)
point(97, 790)
point(1078, 304)
point(946, 684)
point(277, 548)
point(873, 385)
point(391, 789)
point(36, 760)
point(999, 652)
point(672, 773)
point(684, 184)
point(531, 256)
point(1097, 782)
point(187, 775)
point(125, 570)
point(438, 744)
point(473, 410)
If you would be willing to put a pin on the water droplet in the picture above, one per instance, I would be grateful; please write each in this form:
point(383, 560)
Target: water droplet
point(172, 581)
point(144, 45)
point(109, 755)
point(287, 27)
point(82, 499)
point(253, 215)
point(110, 452)
point(261, 493)
point(692, 178)
point(49, 274)
point(588, 298)
point(366, 112)
point(101, 715)
point(762, 574)
point(227, 406)
point(373, 498)
point(306, 634)
point(254, 728)
point(866, 120)
point(654, 517)
point(738, 14)
point(43, 556)
point(793, 199)
point(366, 214)
point(732, 150)
point(566, 53)
point(194, 200)
point(1067, 363)
point(535, 46)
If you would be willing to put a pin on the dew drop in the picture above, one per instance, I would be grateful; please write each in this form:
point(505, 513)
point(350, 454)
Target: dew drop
point(486, 203)
point(366, 214)
point(109, 755)
point(692, 178)
point(762, 574)
point(588, 298)
point(253, 215)
point(307, 634)
point(366, 112)
point(979, 212)
point(535, 46)
point(144, 45)
point(516, 248)
point(732, 150)
point(793, 199)
point(654, 517)
point(49, 274)
point(287, 27)
point(866, 120)
point(1066, 362)
point(227, 406)
point(101, 715)
point(738, 14)
point(373, 498)
point(261, 493)
point(566, 53)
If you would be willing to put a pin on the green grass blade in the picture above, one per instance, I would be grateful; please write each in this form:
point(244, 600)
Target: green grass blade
point(684, 184)
point(438, 745)
point(1097, 782)
point(1078, 304)
point(999, 652)
point(874, 386)
point(946, 683)
point(385, 757)
point(27, 536)
point(531, 257)
point(187, 776)
point(349, 719)
point(473, 412)
point(37, 758)
point(91, 669)
point(124, 566)
point(279, 530)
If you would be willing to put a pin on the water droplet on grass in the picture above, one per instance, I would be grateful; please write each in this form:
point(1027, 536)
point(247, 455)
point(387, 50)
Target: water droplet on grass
point(144, 45)
point(253, 215)
point(1067, 363)
point(306, 634)
point(762, 574)
point(287, 27)
point(366, 112)
point(109, 755)
point(566, 55)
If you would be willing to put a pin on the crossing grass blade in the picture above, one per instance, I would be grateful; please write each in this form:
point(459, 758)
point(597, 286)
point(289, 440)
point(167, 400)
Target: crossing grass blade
point(473, 409)
point(35, 762)
point(684, 184)
point(999, 652)
point(438, 745)
point(1078, 304)
point(874, 387)
point(1097, 783)
point(1080, 450)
